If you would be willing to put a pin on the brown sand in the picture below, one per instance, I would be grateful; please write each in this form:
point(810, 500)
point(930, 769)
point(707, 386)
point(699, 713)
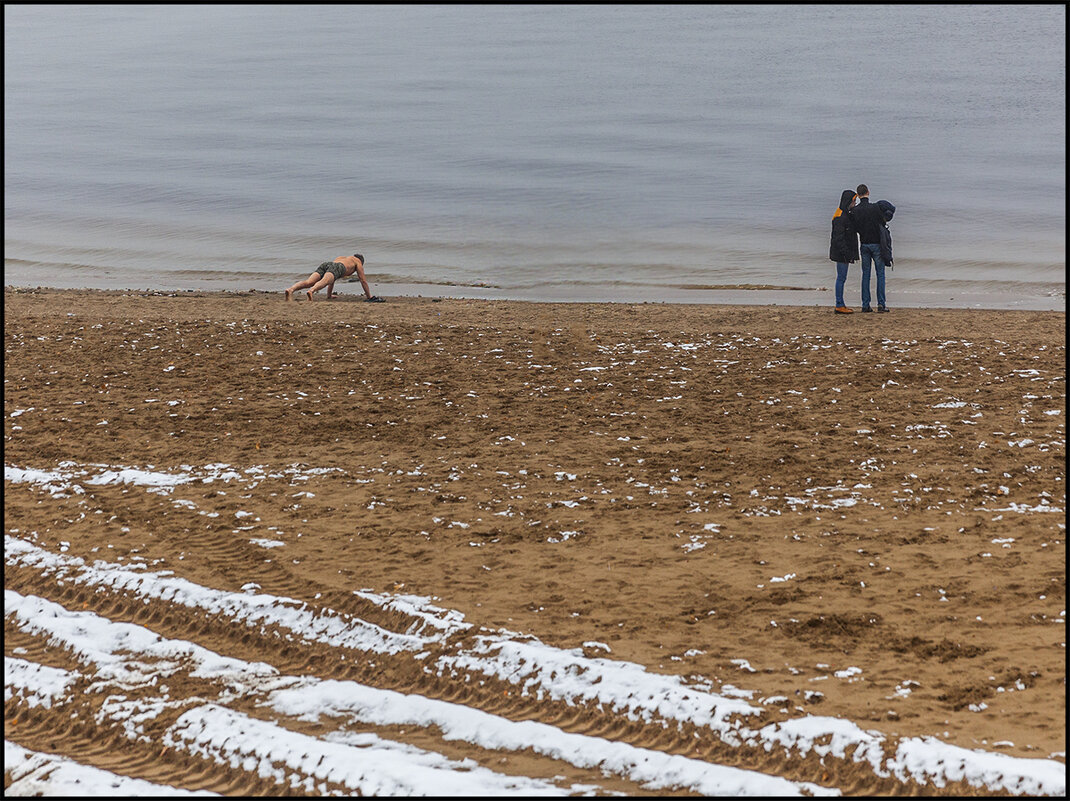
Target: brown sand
point(718, 449)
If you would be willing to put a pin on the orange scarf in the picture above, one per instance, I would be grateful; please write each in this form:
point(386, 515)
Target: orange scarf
point(839, 211)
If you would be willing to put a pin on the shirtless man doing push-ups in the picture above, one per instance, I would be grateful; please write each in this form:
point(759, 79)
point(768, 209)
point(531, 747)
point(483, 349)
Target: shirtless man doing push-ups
point(331, 271)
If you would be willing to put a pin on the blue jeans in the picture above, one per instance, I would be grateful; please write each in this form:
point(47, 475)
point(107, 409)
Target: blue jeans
point(841, 279)
point(872, 252)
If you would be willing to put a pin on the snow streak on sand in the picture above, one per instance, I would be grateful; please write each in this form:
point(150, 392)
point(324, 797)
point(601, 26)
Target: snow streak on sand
point(133, 677)
point(34, 774)
point(225, 736)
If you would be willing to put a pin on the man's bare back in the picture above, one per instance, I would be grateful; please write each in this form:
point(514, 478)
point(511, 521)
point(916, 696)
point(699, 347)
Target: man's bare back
point(350, 263)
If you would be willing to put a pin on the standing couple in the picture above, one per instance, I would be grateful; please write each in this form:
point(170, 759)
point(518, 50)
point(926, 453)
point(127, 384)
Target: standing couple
point(857, 219)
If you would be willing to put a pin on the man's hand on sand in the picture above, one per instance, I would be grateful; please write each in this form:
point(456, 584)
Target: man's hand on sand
point(374, 299)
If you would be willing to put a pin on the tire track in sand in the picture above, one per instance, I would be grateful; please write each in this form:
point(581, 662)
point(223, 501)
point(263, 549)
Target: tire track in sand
point(54, 731)
point(217, 547)
point(136, 716)
point(52, 569)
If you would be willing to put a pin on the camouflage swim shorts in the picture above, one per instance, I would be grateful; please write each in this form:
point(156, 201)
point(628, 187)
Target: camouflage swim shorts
point(333, 267)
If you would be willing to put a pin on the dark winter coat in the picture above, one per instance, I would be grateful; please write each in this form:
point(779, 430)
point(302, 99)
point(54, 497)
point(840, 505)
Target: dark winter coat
point(868, 219)
point(844, 244)
point(886, 235)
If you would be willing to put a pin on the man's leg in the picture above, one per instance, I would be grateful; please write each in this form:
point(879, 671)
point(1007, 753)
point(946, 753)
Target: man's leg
point(865, 278)
point(310, 281)
point(338, 271)
point(879, 264)
point(327, 280)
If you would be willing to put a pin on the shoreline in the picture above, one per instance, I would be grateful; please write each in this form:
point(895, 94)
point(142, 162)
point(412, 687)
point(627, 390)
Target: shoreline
point(782, 298)
point(741, 296)
point(549, 319)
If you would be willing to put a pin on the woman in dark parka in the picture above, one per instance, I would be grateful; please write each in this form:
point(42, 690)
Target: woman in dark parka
point(844, 246)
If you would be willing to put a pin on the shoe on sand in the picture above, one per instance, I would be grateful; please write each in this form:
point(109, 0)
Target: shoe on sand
point(882, 309)
point(374, 299)
point(867, 308)
point(844, 310)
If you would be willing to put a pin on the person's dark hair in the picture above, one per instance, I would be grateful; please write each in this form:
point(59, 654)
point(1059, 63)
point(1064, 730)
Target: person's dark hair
point(357, 255)
point(862, 190)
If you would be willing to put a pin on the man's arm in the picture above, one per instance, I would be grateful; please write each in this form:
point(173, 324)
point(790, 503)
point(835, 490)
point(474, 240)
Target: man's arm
point(363, 281)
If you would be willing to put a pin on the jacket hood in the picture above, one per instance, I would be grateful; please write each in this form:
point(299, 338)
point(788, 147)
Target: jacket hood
point(845, 202)
point(887, 208)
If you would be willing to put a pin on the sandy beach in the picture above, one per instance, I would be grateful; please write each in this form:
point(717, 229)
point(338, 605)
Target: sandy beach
point(742, 549)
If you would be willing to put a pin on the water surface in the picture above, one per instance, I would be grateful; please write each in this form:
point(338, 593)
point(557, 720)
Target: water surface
point(586, 152)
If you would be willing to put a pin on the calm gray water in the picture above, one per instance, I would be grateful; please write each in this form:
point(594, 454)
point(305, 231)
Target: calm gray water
point(535, 152)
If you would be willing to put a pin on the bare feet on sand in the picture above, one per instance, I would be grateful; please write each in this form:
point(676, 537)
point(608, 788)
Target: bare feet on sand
point(309, 293)
point(289, 294)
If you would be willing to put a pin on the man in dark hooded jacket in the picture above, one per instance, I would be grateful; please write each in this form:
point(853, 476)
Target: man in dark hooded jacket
point(869, 219)
point(843, 247)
